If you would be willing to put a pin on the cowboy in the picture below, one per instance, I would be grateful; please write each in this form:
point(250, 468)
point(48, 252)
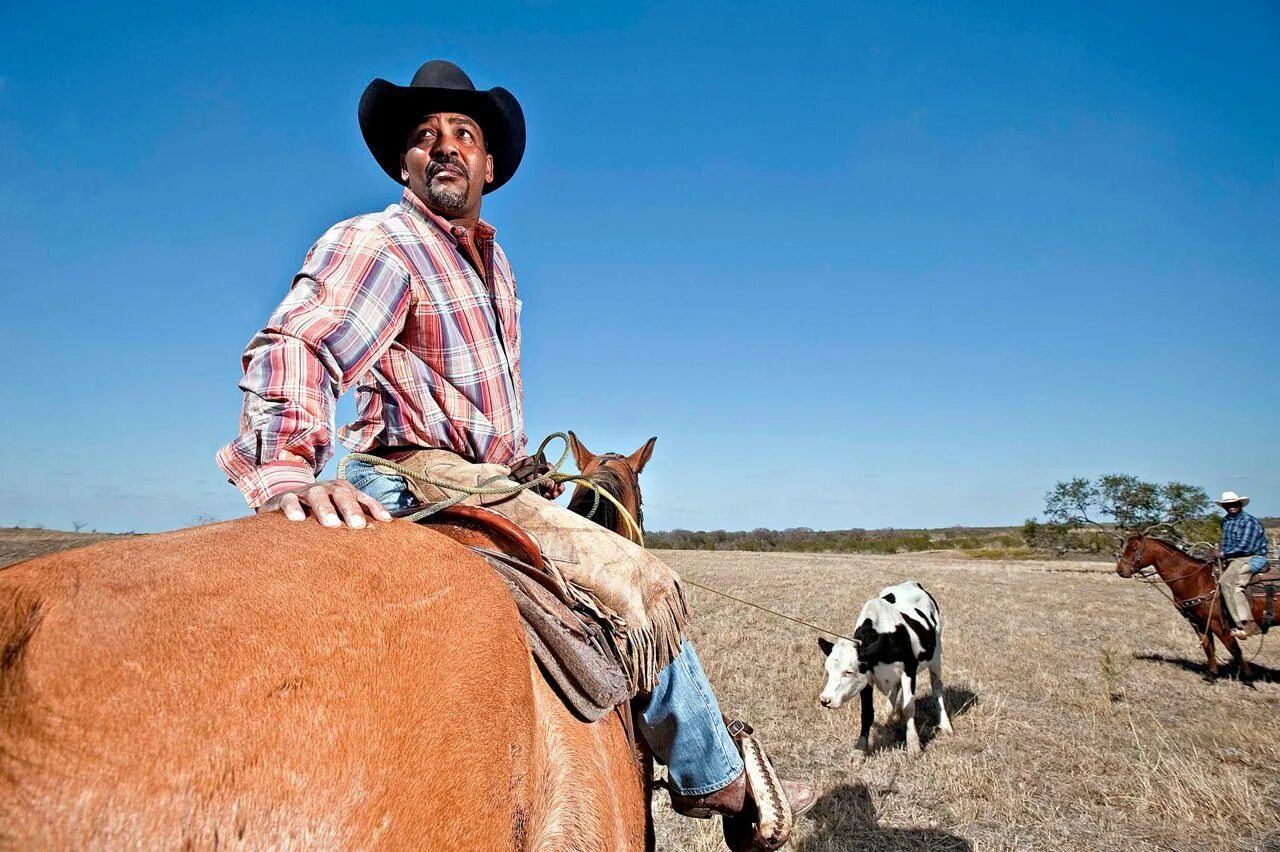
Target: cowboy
point(417, 307)
point(1244, 550)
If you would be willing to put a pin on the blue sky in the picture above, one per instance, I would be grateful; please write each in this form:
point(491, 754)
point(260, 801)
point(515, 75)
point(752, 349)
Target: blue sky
point(853, 264)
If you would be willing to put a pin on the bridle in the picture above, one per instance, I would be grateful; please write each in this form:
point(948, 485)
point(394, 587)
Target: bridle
point(1133, 563)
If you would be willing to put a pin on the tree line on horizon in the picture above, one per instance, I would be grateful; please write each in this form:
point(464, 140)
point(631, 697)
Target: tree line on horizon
point(1081, 516)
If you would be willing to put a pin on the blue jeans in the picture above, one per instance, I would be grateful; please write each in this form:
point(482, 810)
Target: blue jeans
point(680, 719)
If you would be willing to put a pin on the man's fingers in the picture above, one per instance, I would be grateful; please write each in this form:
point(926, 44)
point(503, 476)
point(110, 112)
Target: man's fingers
point(375, 508)
point(349, 506)
point(322, 507)
point(292, 507)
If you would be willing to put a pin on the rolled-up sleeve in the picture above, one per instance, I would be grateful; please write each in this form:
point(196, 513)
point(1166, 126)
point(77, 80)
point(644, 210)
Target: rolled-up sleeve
point(346, 307)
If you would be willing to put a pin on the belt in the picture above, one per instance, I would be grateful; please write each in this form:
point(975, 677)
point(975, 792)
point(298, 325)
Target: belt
point(399, 453)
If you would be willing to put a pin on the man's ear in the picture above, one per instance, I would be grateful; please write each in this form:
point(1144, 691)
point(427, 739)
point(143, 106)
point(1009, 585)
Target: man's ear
point(404, 170)
point(825, 646)
point(488, 168)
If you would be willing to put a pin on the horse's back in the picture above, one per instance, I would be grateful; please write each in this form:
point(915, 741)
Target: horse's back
point(267, 683)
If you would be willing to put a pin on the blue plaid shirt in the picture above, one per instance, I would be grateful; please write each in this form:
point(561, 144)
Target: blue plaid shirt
point(1243, 535)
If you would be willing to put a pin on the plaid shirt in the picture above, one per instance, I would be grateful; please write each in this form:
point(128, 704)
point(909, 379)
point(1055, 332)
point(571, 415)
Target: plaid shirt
point(387, 302)
point(1242, 534)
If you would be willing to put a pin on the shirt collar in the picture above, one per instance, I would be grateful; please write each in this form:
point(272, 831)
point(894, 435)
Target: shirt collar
point(413, 205)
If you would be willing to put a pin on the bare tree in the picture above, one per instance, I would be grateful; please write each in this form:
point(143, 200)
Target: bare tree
point(1126, 503)
point(78, 525)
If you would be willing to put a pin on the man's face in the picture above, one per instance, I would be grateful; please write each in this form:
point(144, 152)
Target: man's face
point(1232, 508)
point(446, 164)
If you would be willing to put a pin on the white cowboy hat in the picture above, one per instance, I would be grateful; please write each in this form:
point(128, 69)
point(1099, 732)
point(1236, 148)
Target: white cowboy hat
point(1232, 497)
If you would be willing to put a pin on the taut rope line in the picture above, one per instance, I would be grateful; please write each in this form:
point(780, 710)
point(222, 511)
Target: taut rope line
point(462, 492)
point(772, 612)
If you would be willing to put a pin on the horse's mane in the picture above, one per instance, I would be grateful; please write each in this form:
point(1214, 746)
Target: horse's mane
point(611, 481)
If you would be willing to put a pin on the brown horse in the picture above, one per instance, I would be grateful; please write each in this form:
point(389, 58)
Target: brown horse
point(1195, 592)
point(271, 683)
point(617, 474)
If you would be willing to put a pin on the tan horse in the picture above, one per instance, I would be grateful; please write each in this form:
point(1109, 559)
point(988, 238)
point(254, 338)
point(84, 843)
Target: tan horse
point(278, 684)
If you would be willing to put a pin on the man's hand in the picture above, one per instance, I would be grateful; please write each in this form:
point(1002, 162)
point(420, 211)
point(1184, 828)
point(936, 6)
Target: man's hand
point(551, 489)
point(331, 502)
point(531, 467)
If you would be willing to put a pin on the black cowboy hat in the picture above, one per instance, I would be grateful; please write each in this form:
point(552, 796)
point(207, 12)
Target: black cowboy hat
point(388, 111)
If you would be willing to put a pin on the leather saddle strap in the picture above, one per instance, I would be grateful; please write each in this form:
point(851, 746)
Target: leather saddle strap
point(507, 536)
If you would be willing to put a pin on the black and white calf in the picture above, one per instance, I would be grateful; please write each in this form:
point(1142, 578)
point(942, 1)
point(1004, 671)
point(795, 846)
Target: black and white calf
point(896, 633)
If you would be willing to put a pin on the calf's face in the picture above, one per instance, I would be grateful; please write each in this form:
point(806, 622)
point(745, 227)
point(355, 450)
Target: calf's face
point(846, 674)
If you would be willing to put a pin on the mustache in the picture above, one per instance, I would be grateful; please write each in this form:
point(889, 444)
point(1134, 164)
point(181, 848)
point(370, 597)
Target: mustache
point(438, 165)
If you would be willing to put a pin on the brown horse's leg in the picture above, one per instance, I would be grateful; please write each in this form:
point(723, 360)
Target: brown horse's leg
point(1206, 642)
point(1230, 643)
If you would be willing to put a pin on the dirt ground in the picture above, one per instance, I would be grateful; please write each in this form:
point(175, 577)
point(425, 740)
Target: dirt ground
point(1082, 716)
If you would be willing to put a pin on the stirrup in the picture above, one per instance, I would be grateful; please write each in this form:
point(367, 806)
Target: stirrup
point(767, 825)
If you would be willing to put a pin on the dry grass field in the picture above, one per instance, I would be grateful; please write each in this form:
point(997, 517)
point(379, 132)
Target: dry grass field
point(19, 543)
point(1082, 717)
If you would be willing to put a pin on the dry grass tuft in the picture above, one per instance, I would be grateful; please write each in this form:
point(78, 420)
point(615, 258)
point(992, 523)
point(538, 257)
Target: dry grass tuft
point(1082, 716)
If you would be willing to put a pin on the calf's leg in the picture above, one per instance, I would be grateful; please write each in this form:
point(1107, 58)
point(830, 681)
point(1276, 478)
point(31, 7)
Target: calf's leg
point(909, 712)
point(935, 680)
point(868, 716)
point(895, 715)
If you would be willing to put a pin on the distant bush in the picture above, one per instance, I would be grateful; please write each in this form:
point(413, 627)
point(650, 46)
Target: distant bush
point(805, 540)
point(1002, 553)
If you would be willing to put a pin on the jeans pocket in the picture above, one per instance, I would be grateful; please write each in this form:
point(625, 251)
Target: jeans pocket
point(360, 474)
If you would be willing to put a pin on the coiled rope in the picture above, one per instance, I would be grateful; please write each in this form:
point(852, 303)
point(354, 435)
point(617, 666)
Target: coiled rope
point(489, 488)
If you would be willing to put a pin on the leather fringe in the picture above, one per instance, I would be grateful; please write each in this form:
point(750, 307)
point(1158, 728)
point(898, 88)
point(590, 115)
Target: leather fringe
point(650, 650)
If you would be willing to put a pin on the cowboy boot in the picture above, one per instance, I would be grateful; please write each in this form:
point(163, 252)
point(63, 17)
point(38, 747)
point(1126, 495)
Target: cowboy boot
point(732, 799)
point(1248, 629)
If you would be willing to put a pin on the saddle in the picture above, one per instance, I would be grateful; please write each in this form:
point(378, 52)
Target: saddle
point(569, 636)
point(1270, 575)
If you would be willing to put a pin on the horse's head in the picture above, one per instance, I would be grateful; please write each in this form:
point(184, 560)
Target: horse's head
point(616, 474)
point(1134, 555)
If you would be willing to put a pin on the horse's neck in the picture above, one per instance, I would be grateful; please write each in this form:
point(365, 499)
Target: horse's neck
point(1178, 570)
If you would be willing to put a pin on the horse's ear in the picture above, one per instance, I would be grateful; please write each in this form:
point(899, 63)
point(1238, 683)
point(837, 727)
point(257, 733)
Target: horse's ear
point(581, 455)
point(640, 457)
point(826, 646)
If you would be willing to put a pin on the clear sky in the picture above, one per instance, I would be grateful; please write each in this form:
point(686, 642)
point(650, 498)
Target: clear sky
point(854, 264)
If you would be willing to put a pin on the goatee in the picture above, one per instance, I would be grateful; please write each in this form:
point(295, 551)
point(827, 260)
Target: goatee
point(446, 199)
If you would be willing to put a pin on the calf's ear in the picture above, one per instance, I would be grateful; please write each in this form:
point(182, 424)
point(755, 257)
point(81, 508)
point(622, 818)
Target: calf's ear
point(825, 646)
